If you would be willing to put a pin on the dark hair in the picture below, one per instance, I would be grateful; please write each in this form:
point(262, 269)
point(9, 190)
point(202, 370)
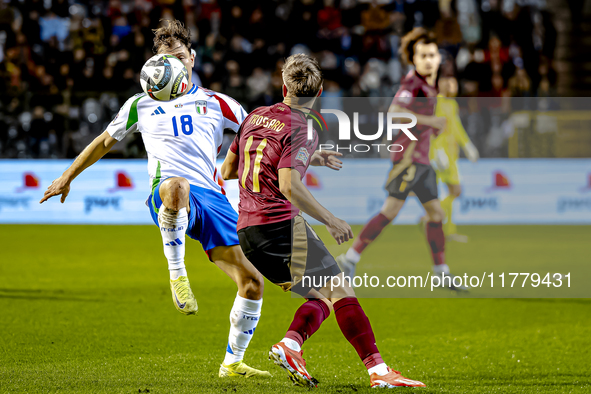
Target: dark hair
point(170, 31)
point(415, 36)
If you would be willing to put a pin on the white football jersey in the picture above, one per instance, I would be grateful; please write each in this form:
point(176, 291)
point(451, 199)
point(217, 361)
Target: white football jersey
point(182, 137)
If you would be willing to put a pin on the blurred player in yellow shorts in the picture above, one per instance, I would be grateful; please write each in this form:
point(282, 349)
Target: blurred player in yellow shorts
point(444, 151)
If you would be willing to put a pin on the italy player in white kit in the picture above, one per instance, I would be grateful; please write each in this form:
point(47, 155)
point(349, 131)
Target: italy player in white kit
point(183, 138)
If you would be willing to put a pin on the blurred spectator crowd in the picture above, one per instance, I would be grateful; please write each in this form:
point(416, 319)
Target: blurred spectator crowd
point(66, 66)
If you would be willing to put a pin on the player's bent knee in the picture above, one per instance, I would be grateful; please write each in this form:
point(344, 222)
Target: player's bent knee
point(389, 214)
point(174, 192)
point(434, 210)
point(391, 208)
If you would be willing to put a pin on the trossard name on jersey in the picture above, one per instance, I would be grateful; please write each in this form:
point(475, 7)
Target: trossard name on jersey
point(265, 121)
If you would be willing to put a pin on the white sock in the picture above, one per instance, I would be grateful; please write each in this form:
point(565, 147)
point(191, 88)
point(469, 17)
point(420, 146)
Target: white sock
point(244, 318)
point(173, 226)
point(380, 369)
point(441, 268)
point(293, 345)
point(353, 256)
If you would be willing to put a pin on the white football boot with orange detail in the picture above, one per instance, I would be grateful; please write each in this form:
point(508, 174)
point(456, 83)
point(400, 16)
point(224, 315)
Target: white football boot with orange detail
point(393, 379)
point(293, 363)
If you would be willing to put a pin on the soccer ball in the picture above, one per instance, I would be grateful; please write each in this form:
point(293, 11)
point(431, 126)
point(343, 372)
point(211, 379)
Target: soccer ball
point(164, 78)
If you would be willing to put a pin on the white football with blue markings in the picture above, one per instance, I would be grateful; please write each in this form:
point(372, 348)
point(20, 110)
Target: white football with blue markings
point(164, 78)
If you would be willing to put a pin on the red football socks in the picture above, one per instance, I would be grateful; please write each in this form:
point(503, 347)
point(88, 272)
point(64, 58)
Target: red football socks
point(307, 320)
point(355, 326)
point(370, 232)
point(436, 240)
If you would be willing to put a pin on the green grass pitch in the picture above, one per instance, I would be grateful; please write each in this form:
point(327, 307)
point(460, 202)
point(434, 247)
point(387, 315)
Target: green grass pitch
point(87, 309)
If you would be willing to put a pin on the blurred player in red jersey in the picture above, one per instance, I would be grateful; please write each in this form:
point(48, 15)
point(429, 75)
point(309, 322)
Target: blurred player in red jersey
point(270, 156)
point(411, 170)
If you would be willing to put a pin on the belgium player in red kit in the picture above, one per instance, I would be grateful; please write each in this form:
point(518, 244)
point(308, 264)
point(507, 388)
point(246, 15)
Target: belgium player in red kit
point(269, 157)
point(411, 170)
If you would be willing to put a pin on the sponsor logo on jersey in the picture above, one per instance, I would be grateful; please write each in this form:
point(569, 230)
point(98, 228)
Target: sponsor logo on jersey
point(201, 107)
point(179, 106)
point(158, 111)
point(303, 155)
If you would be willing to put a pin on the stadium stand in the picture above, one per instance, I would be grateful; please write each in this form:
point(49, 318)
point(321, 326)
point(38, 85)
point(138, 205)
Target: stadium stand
point(67, 66)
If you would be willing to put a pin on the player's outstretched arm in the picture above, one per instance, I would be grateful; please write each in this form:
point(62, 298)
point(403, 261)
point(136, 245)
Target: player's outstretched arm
point(326, 158)
point(229, 168)
point(292, 187)
point(437, 122)
point(90, 155)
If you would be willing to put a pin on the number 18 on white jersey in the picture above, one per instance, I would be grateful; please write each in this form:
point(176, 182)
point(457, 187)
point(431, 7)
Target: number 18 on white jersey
point(182, 137)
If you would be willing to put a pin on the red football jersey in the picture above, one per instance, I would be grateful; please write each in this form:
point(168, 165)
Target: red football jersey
point(416, 95)
point(270, 138)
